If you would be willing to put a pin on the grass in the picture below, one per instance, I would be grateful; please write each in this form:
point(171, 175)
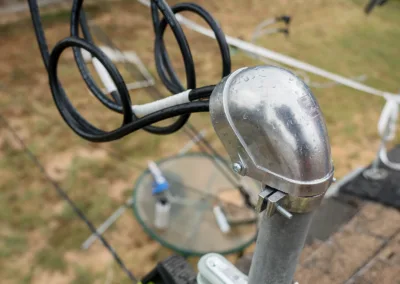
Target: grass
point(51, 260)
point(13, 245)
point(83, 276)
point(40, 231)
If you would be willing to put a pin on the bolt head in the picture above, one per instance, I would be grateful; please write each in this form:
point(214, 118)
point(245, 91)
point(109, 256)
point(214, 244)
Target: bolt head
point(238, 168)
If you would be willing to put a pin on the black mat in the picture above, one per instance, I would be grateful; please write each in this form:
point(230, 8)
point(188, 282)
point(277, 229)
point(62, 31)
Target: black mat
point(386, 191)
point(330, 216)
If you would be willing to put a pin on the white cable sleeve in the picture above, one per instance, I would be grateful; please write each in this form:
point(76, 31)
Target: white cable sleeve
point(104, 76)
point(178, 99)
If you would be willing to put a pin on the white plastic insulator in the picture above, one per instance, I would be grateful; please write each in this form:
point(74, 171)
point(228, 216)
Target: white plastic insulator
point(388, 120)
point(162, 215)
point(178, 99)
point(221, 219)
point(104, 76)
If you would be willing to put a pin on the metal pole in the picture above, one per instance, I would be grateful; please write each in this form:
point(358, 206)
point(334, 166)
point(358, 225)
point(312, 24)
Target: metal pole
point(279, 244)
point(274, 132)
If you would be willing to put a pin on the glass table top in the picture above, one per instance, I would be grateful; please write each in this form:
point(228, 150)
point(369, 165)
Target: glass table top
point(196, 185)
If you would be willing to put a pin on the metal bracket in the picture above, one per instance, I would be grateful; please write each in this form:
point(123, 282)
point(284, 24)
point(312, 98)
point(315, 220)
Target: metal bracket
point(269, 200)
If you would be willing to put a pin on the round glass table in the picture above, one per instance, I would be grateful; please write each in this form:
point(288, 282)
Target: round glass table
point(196, 186)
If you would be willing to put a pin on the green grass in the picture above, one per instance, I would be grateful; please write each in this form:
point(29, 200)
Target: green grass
point(69, 236)
point(83, 276)
point(50, 259)
point(12, 245)
point(48, 18)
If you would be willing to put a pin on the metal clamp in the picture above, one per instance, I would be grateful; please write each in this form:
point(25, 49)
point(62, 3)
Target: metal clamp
point(274, 200)
point(269, 200)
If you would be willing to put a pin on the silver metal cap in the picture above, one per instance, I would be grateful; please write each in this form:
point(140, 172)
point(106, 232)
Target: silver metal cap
point(271, 124)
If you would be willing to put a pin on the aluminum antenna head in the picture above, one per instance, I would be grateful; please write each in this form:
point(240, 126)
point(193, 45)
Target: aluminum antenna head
point(271, 125)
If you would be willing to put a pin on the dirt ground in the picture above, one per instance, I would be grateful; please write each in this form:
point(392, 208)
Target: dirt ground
point(41, 236)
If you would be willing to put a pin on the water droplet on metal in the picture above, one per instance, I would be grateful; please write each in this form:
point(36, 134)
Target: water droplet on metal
point(246, 79)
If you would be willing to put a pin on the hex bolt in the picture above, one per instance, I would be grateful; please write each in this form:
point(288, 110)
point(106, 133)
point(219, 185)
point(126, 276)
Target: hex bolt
point(283, 211)
point(238, 168)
